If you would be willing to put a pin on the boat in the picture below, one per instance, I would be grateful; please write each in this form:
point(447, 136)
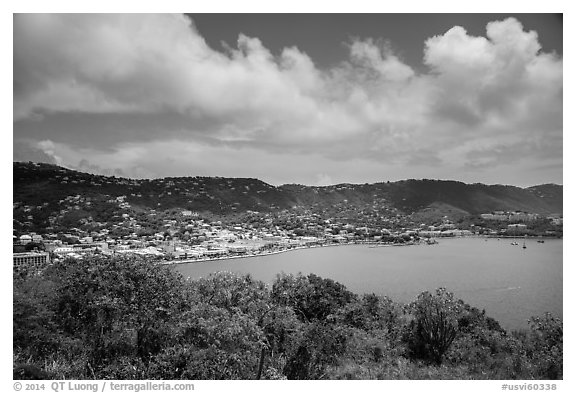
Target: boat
point(514, 243)
point(524, 244)
point(540, 241)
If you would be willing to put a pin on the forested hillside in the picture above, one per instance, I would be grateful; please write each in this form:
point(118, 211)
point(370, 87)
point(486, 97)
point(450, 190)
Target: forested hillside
point(41, 190)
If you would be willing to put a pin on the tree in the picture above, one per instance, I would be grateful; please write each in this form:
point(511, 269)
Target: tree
point(35, 330)
point(211, 343)
point(311, 297)
point(221, 334)
point(546, 345)
point(435, 324)
point(231, 292)
point(34, 245)
point(102, 300)
point(320, 345)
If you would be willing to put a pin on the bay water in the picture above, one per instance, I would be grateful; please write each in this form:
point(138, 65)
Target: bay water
point(509, 282)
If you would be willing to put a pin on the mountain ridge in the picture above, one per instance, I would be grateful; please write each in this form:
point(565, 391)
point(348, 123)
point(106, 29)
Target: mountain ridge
point(40, 189)
point(281, 185)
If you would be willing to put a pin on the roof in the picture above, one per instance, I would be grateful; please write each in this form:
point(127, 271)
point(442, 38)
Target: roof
point(29, 254)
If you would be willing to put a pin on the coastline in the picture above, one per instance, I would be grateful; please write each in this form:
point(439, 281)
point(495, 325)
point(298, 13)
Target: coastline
point(369, 244)
point(264, 254)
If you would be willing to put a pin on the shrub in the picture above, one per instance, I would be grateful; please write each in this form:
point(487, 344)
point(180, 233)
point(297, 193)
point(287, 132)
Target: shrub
point(546, 346)
point(311, 297)
point(321, 346)
point(435, 324)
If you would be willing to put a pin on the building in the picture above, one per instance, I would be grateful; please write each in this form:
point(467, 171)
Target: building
point(30, 259)
point(498, 216)
point(517, 226)
point(522, 217)
point(516, 229)
point(555, 220)
point(25, 239)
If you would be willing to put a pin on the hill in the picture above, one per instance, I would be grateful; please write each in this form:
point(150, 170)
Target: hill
point(410, 196)
point(45, 195)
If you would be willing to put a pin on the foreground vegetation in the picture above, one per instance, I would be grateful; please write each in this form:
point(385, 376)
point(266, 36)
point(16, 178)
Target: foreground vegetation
point(105, 318)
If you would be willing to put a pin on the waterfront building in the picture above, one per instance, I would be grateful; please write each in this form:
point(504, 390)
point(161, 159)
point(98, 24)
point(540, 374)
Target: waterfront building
point(30, 259)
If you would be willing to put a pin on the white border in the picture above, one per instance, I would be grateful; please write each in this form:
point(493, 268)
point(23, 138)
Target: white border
point(298, 6)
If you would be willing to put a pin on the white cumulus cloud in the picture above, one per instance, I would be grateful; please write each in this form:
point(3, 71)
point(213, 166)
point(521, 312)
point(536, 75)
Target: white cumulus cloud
point(480, 92)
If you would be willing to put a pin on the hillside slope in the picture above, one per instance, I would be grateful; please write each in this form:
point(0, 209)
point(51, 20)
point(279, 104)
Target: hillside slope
point(40, 190)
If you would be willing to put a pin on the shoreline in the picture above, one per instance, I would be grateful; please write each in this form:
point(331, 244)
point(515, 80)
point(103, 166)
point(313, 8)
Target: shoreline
point(369, 244)
point(264, 254)
point(186, 261)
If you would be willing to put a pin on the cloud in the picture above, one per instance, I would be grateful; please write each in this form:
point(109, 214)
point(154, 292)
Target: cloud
point(136, 79)
point(30, 151)
point(323, 179)
point(381, 60)
point(86, 166)
point(493, 79)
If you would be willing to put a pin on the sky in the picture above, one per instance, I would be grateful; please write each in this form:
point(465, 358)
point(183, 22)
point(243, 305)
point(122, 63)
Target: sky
point(293, 98)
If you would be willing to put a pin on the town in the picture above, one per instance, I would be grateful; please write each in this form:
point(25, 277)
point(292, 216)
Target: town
point(60, 213)
point(186, 236)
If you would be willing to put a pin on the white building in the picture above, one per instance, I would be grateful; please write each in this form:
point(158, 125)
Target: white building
point(25, 239)
point(61, 251)
point(30, 259)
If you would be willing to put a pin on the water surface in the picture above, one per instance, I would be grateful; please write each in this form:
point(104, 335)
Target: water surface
point(509, 282)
